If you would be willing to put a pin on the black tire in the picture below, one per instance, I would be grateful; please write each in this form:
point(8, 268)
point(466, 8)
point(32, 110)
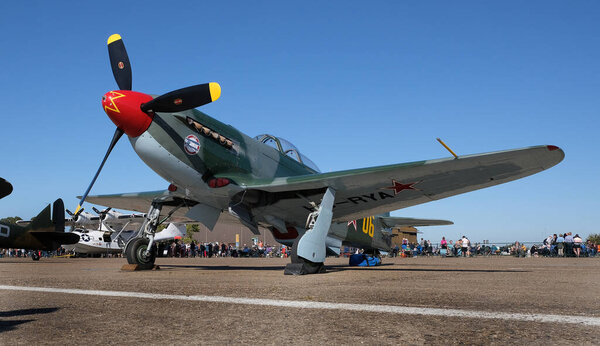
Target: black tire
point(135, 252)
point(35, 256)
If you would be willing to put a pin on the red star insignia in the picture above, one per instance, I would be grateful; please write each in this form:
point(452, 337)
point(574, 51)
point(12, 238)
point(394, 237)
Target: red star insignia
point(353, 222)
point(399, 186)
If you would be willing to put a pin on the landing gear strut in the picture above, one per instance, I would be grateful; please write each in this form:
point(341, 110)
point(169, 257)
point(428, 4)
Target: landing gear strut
point(308, 251)
point(141, 249)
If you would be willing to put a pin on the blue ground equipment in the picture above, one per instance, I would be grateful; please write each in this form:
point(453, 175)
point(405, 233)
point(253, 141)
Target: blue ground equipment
point(362, 260)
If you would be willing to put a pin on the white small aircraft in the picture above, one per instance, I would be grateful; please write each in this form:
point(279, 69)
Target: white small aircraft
point(104, 233)
point(106, 241)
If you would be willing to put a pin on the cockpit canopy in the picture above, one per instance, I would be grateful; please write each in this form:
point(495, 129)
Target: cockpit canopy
point(287, 149)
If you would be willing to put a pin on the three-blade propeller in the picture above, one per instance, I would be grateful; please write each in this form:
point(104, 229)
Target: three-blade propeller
point(174, 101)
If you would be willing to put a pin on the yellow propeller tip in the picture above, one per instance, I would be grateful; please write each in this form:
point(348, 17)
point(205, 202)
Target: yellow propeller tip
point(76, 210)
point(215, 91)
point(113, 38)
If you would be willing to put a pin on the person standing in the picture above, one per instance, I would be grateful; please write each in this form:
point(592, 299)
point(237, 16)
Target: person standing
point(444, 246)
point(465, 246)
point(560, 245)
point(577, 245)
point(568, 244)
point(193, 248)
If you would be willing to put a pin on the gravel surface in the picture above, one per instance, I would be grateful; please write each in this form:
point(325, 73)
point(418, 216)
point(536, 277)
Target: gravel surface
point(500, 284)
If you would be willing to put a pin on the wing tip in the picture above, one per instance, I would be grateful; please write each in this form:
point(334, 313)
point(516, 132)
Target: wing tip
point(556, 152)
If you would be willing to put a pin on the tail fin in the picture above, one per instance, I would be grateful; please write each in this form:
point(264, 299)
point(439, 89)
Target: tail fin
point(43, 222)
point(58, 215)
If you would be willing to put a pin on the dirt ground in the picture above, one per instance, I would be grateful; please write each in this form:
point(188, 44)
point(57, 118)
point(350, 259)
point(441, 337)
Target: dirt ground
point(565, 286)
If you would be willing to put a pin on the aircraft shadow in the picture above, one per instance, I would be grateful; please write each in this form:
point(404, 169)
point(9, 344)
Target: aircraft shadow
point(340, 268)
point(12, 324)
point(6, 326)
point(203, 267)
point(441, 270)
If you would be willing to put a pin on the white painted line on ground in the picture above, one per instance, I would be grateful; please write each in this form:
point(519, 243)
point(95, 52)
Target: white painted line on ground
point(392, 309)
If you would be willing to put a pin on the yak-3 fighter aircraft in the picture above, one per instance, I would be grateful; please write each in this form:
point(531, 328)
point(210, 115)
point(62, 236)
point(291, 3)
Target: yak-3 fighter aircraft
point(217, 173)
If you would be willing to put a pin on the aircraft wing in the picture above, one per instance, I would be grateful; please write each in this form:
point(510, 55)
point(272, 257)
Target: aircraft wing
point(392, 222)
point(375, 190)
point(366, 191)
point(141, 201)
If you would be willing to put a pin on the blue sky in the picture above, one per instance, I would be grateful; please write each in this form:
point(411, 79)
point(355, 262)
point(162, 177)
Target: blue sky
point(351, 83)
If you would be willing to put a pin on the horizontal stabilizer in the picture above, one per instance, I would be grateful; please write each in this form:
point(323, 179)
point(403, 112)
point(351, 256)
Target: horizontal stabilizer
point(58, 238)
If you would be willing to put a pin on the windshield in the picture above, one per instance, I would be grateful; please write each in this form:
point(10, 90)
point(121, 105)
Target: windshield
point(287, 149)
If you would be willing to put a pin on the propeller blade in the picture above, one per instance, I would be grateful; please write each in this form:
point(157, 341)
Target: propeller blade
point(184, 99)
point(115, 139)
point(119, 61)
point(96, 211)
point(5, 188)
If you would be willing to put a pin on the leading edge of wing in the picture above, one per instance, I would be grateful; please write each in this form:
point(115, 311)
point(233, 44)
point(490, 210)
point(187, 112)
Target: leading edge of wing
point(548, 156)
point(137, 201)
point(141, 201)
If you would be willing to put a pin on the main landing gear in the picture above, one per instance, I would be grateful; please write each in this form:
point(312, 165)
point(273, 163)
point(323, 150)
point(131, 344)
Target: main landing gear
point(141, 249)
point(308, 251)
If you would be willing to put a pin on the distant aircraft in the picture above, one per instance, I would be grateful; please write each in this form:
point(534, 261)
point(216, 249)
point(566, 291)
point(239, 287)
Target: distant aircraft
point(108, 241)
point(41, 233)
point(104, 233)
point(217, 173)
point(109, 217)
point(93, 242)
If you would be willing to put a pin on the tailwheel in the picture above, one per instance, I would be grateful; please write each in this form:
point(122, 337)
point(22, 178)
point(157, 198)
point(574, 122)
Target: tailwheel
point(136, 253)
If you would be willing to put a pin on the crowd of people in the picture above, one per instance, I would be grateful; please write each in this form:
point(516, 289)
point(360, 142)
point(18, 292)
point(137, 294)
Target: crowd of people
point(561, 245)
point(13, 253)
point(556, 245)
point(567, 245)
point(216, 249)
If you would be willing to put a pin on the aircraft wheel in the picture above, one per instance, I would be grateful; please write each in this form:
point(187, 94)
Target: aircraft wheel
point(136, 253)
point(35, 256)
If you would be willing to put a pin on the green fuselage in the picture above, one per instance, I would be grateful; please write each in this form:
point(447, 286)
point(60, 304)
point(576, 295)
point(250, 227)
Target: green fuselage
point(245, 162)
